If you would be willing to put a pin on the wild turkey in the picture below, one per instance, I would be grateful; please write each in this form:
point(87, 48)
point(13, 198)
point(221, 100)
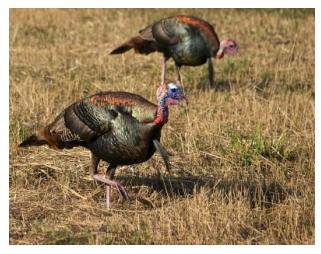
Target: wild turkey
point(188, 40)
point(118, 127)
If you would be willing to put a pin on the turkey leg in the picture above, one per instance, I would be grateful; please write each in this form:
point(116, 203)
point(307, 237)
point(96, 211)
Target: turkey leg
point(107, 179)
point(163, 66)
point(163, 70)
point(178, 75)
point(210, 72)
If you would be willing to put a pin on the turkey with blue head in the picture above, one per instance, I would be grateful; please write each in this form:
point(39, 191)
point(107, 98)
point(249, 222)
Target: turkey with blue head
point(188, 40)
point(120, 128)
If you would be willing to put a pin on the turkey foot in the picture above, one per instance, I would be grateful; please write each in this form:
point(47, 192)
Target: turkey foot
point(105, 179)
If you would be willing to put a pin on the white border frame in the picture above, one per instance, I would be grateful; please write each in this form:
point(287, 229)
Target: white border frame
point(4, 113)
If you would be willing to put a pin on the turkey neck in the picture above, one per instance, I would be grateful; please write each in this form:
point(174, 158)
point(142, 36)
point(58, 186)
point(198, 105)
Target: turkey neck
point(162, 112)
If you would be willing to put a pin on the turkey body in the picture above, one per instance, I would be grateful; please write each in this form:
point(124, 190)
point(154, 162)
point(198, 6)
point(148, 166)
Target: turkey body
point(187, 39)
point(196, 40)
point(128, 141)
point(120, 128)
point(116, 127)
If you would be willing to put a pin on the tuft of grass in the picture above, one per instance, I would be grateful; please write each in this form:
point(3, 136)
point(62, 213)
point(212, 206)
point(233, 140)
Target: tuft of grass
point(252, 147)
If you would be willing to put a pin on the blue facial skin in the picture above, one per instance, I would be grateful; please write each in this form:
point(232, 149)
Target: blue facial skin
point(175, 93)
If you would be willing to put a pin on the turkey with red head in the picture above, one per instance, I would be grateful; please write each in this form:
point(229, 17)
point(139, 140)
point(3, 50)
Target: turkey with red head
point(120, 128)
point(188, 40)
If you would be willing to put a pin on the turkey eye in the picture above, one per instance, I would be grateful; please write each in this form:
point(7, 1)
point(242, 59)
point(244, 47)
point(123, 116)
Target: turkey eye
point(173, 90)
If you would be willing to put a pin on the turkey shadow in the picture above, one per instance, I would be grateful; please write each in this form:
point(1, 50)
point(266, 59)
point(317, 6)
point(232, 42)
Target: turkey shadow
point(220, 85)
point(224, 85)
point(258, 193)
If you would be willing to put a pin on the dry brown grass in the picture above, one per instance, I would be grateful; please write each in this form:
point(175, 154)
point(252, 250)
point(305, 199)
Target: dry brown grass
point(243, 157)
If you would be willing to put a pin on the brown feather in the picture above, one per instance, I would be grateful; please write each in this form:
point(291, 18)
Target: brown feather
point(122, 48)
point(139, 44)
point(42, 137)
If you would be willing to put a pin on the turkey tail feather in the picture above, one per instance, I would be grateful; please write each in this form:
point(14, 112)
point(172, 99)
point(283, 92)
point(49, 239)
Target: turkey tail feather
point(32, 140)
point(139, 44)
point(122, 48)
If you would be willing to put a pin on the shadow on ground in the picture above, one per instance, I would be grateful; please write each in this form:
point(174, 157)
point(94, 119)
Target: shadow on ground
point(220, 85)
point(258, 193)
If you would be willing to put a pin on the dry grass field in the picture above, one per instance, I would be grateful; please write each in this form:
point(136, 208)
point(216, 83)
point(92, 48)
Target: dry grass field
point(242, 157)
